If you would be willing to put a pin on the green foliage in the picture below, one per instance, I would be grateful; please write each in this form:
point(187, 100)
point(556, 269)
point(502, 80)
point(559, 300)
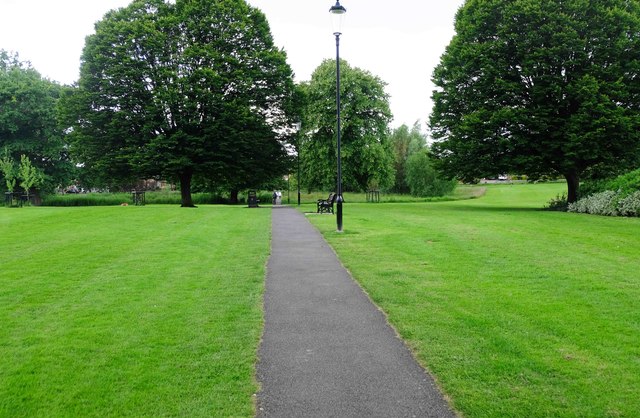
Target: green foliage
point(28, 120)
point(625, 184)
point(603, 203)
point(151, 198)
point(130, 311)
point(7, 167)
point(612, 197)
point(405, 142)
point(558, 203)
point(593, 186)
point(630, 205)
point(608, 203)
point(89, 199)
point(516, 311)
point(181, 89)
point(423, 179)
point(367, 155)
point(29, 175)
point(540, 87)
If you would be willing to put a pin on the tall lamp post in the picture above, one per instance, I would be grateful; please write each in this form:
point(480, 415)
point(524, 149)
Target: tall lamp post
point(337, 13)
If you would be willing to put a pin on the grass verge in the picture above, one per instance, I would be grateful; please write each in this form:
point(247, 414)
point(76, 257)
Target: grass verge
point(518, 312)
point(129, 311)
point(461, 192)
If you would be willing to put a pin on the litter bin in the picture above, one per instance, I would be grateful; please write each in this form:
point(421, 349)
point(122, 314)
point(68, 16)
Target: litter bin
point(252, 199)
point(138, 197)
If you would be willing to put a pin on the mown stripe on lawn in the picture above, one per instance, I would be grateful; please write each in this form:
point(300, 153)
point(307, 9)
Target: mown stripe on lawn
point(130, 311)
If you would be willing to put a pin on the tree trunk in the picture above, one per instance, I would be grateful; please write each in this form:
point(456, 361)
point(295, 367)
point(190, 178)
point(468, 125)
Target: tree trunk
point(185, 189)
point(573, 185)
point(233, 196)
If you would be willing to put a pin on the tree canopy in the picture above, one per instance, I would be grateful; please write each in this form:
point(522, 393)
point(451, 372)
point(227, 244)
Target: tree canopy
point(367, 157)
point(540, 87)
point(28, 120)
point(180, 89)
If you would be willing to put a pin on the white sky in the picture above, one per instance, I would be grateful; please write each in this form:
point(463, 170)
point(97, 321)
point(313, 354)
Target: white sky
point(401, 46)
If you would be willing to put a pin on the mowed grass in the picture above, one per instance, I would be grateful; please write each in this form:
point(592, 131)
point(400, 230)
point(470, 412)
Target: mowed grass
point(130, 311)
point(518, 312)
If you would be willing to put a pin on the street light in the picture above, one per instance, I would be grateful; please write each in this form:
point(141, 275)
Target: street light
point(337, 14)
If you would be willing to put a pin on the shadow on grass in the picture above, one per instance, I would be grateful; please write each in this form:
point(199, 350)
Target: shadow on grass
point(494, 209)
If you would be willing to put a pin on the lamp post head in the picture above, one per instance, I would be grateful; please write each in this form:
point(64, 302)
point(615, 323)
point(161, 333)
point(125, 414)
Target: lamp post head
point(337, 14)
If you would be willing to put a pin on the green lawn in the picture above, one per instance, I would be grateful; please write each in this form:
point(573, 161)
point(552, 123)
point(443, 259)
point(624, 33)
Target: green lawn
point(156, 310)
point(130, 311)
point(518, 312)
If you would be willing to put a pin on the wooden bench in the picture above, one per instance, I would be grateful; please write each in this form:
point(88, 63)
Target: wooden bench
point(326, 205)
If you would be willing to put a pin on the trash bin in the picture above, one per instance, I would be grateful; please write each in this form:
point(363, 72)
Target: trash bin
point(252, 199)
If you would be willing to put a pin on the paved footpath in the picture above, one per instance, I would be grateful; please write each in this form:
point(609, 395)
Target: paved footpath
point(327, 351)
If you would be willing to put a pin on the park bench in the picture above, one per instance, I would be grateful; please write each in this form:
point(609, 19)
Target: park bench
point(326, 205)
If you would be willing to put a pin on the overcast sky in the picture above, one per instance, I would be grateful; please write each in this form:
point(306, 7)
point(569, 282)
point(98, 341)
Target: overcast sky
point(401, 45)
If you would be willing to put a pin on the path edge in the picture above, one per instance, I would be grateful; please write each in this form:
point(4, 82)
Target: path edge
point(412, 352)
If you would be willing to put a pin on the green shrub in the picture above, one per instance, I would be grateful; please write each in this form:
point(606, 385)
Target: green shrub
point(590, 187)
point(558, 203)
point(88, 199)
point(630, 205)
point(612, 197)
point(152, 198)
point(174, 198)
point(608, 203)
point(626, 184)
point(604, 203)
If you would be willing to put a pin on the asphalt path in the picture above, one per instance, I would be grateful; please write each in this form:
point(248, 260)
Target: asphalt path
point(327, 350)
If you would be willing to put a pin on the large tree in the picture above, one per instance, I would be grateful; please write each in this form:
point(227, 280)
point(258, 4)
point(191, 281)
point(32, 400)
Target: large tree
point(28, 119)
point(367, 157)
point(540, 87)
point(184, 88)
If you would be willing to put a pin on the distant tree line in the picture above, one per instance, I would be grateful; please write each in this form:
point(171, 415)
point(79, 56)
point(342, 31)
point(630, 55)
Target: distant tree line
point(196, 93)
point(29, 132)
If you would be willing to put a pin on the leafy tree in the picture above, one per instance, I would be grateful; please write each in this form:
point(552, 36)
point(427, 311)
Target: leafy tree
point(367, 156)
point(29, 175)
point(422, 177)
point(182, 89)
point(28, 119)
point(7, 167)
point(405, 142)
point(540, 87)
